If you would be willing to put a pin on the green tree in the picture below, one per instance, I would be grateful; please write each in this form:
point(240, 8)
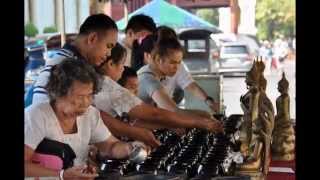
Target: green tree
point(30, 30)
point(275, 17)
point(50, 29)
point(209, 14)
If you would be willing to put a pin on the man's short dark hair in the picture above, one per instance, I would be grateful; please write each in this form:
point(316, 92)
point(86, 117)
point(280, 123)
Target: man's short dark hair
point(97, 23)
point(127, 73)
point(141, 22)
point(63, 75)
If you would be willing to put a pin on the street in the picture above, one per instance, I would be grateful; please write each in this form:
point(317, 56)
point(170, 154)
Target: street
point(234, 87)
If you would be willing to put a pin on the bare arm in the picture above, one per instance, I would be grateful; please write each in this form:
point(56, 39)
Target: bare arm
point(114, 148)
point(148, 125)
point(119, 128)
point(197, 91)
point(164, 101)
point(164, 118)
point(200, 113)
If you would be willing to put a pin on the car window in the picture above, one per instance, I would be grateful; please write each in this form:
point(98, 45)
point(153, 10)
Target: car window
point(235, 50)
point(197, 45)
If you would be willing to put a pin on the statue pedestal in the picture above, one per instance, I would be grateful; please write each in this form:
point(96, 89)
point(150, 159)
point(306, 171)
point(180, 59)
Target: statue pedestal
point(254, 175)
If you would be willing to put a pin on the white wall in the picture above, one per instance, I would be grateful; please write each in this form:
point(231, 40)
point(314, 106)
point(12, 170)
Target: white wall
point(247, 17)
point(225, 19)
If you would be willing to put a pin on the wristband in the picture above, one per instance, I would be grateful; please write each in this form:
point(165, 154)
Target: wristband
point(61, 174)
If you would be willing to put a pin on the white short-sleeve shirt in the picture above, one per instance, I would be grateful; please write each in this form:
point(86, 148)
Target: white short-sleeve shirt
point(115, 99)
point(149, 83)
point(41, 122)
point(181, 79)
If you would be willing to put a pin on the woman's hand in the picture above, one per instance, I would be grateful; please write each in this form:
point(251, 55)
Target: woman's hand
point(80, 172)
point(141, 144)
point(93, 151)
point(214, 106)
point(214, 125)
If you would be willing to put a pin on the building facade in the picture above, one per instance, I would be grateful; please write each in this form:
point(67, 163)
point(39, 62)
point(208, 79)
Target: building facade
point(44, 13)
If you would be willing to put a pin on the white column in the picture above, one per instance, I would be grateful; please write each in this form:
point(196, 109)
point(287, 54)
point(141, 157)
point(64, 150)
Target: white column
point(33, 11)
point(125, 11)
point(84, 11)
point(247, 17)
point(26, 12)
point(42, 13)
point(78, 3)
point(225, 19)
point(70, 16)
point(57, 14)
point(60, 18)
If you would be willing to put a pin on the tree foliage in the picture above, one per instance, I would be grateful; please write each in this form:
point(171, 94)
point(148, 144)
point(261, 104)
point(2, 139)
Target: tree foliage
point(50, 29)
point(275, 18)
point(30, 30)
point(209, 14)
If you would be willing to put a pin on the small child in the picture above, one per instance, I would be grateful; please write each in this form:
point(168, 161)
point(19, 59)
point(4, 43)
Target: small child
point(129, 80)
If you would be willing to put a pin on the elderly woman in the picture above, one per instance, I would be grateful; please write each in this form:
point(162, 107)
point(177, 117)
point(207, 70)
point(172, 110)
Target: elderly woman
point(69, 118)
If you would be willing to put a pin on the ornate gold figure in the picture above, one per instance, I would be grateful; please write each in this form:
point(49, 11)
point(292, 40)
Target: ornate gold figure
point(248, 105)
point(283, 135)
point(258, 123)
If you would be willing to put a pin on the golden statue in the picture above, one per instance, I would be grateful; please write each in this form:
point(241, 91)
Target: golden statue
point(258, 124)
point(283, 135)
point(250, 110)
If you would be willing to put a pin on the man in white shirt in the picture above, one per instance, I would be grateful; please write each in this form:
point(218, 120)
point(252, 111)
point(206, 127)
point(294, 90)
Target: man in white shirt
point(97, 36)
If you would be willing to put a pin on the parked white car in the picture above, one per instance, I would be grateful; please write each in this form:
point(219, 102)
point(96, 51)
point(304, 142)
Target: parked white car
point(234, 58)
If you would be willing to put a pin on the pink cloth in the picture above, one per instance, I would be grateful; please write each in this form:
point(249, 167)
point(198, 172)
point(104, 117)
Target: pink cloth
point(48, 161)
